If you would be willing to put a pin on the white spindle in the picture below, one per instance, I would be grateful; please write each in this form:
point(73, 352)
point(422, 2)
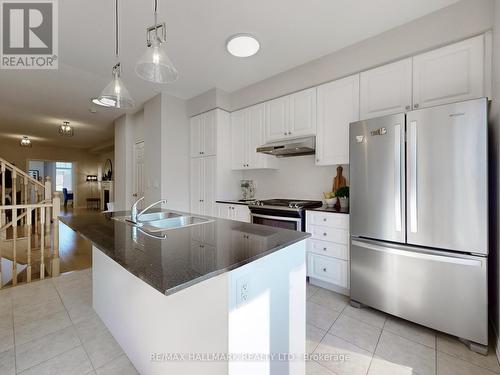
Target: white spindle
point(28, 255)
point(14, 246)
point(42, 242)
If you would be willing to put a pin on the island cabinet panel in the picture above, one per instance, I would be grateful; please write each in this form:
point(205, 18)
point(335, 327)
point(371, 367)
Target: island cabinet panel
point(258, 307)
point(328, 250)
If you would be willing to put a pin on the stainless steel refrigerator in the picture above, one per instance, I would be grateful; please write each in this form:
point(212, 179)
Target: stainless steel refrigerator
point(419, 217)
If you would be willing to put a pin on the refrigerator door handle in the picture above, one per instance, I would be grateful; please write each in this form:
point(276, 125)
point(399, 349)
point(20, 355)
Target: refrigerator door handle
point(419, 255)
point(397, 177)
point(412, 165)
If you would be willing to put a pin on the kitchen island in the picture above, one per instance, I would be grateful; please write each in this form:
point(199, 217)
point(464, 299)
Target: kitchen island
point(222, 297)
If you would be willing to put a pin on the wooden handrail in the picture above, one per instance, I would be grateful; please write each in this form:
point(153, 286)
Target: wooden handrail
point(21, 172)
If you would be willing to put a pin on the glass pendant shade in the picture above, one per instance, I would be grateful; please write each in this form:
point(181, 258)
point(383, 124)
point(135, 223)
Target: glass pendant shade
point(66, 130)
point(115, 94)
point(155, 65)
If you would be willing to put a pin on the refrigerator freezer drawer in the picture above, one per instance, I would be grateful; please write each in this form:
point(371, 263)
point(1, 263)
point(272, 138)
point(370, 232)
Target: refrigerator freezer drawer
point(443, 291)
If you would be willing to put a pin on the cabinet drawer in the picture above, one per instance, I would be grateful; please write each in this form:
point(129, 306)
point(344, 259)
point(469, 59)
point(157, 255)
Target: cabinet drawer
point(340, 236)
point(331, 270)
point(327, 219)
point(329, 249)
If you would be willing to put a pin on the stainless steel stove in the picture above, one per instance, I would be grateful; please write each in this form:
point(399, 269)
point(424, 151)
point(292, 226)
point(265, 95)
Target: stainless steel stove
point(282, 213)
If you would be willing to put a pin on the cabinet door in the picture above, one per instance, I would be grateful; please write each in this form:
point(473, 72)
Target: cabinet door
point(256, 137)
point(238, 139)
point(209, 186)
point(196, 122)
point(241, 213)
point(196, 185)
point(209, 133)
point(222, 210)
point(338, 106)
point(303, 113)
point(386, 90)
point(277, 119)
point(449, 74)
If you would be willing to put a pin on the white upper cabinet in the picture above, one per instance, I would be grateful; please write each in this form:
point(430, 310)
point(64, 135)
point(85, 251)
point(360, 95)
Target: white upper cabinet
point(277, 112)
point(247, 133)
point(291, 116)
point(449, 74)
point(302, 120)
point(203, 135)
point(386, 90)
point(338, 106)
point(238, 139)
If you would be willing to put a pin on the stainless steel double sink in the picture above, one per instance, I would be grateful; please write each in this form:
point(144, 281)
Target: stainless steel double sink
point(161, 221)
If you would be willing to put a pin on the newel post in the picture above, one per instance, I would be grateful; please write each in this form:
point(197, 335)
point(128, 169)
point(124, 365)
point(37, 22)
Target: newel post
point(55, 262)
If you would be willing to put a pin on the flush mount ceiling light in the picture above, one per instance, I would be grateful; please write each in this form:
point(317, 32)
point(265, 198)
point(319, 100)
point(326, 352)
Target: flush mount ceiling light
point(242, 45)
point(66, 130)
point(155, 65)
point(25, 142)
point(115, 95)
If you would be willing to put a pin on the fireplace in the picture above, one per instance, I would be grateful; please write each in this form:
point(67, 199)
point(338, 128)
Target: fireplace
point(106, 194)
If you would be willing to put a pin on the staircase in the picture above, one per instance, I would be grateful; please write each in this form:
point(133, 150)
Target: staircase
point(29, 228)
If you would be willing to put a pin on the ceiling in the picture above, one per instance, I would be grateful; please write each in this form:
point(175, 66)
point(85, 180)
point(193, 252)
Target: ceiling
point(291, 32)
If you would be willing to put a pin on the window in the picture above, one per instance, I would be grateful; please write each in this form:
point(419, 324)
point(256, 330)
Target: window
point(64, 176)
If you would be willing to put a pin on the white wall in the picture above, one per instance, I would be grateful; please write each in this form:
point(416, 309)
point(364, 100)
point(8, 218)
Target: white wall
point(296, 178)
point(494, 183)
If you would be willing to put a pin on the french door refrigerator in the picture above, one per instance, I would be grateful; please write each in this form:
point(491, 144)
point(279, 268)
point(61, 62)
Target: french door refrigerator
point(419, 217)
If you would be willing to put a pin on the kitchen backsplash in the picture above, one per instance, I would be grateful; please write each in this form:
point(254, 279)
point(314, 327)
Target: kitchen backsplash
point(297, 177)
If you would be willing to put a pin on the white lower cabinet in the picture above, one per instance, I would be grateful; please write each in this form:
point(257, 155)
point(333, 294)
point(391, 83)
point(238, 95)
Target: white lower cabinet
point(328, 250)
point(236, 212)
point(203, 186)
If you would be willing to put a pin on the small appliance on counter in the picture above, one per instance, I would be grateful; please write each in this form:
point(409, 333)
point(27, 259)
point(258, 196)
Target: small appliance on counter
point(282, 213)
point(247, 190)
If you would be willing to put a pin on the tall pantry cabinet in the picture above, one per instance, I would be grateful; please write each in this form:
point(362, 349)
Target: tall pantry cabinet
point(211, 174)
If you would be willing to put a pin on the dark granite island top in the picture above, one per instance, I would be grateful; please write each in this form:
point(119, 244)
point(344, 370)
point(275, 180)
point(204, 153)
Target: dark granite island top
point(186, 256)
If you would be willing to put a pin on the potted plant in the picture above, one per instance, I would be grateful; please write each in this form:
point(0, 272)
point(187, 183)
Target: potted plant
point(330, 198)
point(343, 195)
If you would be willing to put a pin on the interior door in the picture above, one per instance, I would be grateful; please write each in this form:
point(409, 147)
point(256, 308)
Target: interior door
point(447, 177)
point(139, 172)
point(377, 178)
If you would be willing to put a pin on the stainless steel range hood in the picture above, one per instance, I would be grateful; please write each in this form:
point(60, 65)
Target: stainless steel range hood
point(291, 147)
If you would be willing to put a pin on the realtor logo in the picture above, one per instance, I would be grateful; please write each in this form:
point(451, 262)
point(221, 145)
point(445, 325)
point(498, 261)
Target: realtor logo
point(29, 34)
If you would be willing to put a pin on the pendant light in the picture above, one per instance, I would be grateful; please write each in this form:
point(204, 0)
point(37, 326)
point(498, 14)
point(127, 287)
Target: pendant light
point(155, 65)
point(25, 142)
point(66, 130)
point(115, 95)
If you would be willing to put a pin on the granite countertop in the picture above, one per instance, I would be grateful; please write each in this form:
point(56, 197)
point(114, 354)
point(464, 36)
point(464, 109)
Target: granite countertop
point(326, 208)
point(187, 255)
point(240, 202)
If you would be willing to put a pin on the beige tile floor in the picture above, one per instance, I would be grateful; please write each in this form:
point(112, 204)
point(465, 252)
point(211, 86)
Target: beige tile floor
point(374, 343)
point(49, 328)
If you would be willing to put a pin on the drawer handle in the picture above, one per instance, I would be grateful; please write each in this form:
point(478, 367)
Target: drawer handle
point(324, 269)
point(324, 234)
point(324, 249)
point(324, 219)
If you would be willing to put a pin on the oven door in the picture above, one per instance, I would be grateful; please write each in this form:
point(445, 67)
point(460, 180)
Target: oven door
point(292, 223)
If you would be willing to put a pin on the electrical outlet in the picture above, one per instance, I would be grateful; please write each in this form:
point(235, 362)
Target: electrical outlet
point(242, 290)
